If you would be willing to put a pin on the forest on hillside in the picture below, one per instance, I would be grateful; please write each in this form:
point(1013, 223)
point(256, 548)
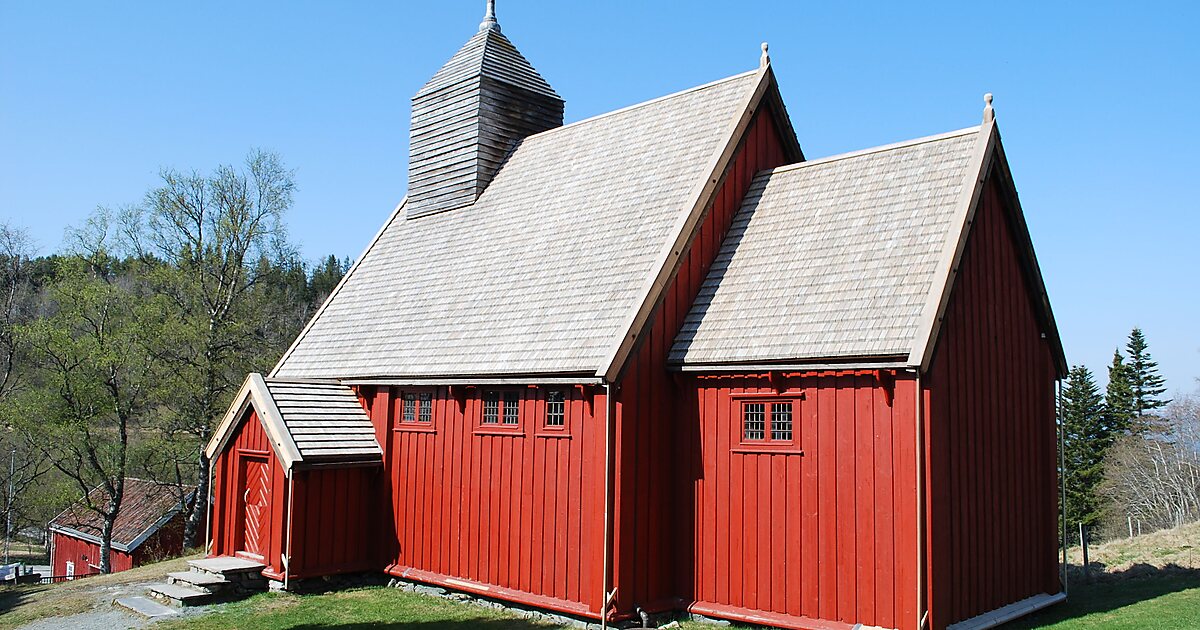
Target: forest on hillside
point(118, 354)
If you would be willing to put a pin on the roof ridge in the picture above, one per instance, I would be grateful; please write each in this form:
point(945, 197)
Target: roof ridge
point(879, 149)
point(652, 101)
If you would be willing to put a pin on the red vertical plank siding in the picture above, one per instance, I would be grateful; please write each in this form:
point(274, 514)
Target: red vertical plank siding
point(510, 514)
point(991, 437)
point(654, 528)
point(796, 519)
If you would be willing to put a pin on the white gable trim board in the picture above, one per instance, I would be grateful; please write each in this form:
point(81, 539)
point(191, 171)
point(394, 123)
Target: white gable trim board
point(960, 229)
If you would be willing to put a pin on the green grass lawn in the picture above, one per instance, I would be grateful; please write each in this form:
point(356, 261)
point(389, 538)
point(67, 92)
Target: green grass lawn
point(371, 607)
point(1162, 599)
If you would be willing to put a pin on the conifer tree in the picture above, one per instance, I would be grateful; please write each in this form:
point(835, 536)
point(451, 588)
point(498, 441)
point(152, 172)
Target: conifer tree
point(1118, 397)
point(1085, 440)
point(1145, 381)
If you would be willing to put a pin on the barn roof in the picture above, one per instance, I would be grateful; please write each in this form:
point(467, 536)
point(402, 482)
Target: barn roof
point(308, 423)
point(145, 508)
point(546, 271)
point(833, 258)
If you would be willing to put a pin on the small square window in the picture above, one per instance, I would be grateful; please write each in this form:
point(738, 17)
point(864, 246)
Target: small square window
point(556, 408)
point(767, 422)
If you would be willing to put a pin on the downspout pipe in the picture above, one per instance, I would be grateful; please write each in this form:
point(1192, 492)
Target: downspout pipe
point(208, 509)
point(1062, 478)
point(922, 605)
point(287, 563)
point(606, 581)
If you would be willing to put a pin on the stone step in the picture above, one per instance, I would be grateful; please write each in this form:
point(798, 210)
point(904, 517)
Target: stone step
point(210, 582)
point(145, 607)
point(226, 566)
point(179, 594)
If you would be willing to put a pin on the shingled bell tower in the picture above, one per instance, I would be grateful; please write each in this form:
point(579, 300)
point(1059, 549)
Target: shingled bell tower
point(469, 116)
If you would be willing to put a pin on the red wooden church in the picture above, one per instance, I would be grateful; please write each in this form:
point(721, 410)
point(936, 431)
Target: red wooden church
point(657, 360)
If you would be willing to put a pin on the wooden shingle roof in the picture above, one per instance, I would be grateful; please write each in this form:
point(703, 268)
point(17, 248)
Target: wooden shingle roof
point(832, 259)
point(308, 423)
point(543, 273)
point(145, 507)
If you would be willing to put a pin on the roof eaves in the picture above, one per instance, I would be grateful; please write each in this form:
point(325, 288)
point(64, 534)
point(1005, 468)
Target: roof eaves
point(799, 365)
point(670, 257)
point(92, 538)
point(550, 378)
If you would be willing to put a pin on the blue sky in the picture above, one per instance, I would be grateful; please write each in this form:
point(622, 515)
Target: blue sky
point(1097, 103)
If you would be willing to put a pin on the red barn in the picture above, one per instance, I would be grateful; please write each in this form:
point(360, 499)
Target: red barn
point(149, 528)
point(657, 360)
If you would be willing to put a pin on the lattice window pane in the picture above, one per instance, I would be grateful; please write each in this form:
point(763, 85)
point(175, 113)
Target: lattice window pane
point(491, 407)
point(426, 410)
point(512, 407)
point(555, 408)
point(781, 421)
point(410, 406)
point(753, 421)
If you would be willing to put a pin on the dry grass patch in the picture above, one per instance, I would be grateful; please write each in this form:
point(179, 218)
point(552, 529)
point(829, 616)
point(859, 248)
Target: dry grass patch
point(1179, 547)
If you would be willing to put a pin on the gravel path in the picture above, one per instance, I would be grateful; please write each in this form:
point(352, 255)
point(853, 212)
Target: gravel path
point(98, 619)
point(104, 615)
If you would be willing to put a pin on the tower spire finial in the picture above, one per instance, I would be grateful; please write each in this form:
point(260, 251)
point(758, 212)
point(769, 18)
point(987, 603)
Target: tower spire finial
point(765, 60)
point(989, 114)
point(489, 22)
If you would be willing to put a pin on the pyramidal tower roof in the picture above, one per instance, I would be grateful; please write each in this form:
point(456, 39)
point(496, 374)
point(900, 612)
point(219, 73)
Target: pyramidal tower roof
point(470, 116)
point(489, 54)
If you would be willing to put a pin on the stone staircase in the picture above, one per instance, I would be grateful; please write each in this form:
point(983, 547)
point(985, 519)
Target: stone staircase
point(209, 580)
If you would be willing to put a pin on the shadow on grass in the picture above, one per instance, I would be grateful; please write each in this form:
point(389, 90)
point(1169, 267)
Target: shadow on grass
point(487, 624)
point(1108, 591)
point(12, 597)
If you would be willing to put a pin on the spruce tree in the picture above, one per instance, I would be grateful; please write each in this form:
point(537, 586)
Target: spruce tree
point(1118, 397)
point(1085, 440)
point(1147, 384)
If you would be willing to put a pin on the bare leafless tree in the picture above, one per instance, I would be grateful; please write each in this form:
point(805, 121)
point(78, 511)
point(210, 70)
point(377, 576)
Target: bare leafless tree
point(1155, 478)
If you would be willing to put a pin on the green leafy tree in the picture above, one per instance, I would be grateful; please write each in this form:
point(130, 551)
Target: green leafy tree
point(1118, 397)
point(214, 232)
point(1085, 440)
point(96, 373)
point(1147, 384)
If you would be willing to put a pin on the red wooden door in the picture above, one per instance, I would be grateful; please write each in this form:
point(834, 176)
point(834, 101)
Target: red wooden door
point(256, 506)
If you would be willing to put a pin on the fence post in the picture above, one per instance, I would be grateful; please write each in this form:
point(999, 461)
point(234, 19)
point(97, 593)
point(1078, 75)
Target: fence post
point(1130, 525)
point(1087, 570)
